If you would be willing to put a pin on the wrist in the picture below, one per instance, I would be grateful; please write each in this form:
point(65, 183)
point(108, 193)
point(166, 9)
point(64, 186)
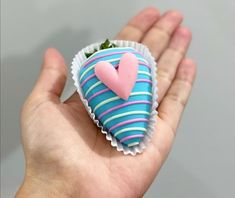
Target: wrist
point(34, 187)
point(41, 186)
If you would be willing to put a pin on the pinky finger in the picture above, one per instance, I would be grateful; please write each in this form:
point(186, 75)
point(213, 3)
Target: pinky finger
point(174, 102)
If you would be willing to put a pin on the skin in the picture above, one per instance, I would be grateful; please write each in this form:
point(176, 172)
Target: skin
point(67, 156)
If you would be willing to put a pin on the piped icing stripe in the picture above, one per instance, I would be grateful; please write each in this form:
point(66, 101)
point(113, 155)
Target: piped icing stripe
point(123, 105)
point(125, 114)
point(99, 82)
point(128, 122)
point(105, 102)
point(87, 79)
point(144, 80)
point(144, 64)
point(97, 94)
point(92, 87)
point(84, 72)
point(106, 55)
point(133, 144)
point(144, 73)
point(140, 63)
point(92, 76)
point(117, 98)
point(131, 137)
point(128, 49)
point(129, 129)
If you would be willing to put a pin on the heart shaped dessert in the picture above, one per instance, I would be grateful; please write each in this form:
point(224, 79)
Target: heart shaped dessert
point(122, 79)
point(118, 88)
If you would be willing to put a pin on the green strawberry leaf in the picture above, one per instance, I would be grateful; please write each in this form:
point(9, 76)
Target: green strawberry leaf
point(105, 45)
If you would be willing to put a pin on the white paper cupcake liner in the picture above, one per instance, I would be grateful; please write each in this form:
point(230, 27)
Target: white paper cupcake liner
point(78, 62)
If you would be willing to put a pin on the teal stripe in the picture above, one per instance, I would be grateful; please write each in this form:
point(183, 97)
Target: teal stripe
point(125, 114)
point(139, 72)
point(106, 101)
point(117, 98)
point(92, 87)
point(111, 60)
point(129, 129)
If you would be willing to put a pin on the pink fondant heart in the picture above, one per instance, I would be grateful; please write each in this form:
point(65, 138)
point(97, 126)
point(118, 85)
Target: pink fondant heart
point(120, 81)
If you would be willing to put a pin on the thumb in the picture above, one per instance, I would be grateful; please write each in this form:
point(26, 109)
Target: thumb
point(53, 76)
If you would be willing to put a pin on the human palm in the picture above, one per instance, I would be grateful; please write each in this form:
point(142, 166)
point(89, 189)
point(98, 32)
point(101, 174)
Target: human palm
point(63, 145)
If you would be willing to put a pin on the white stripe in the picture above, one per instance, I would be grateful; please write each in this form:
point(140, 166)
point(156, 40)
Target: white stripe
point(106, 101)
point(129, 129)
point(110, 61)
point(117, 98)
point(92, 87)
point(133, 144)
point(144, 72)
point(125, 114)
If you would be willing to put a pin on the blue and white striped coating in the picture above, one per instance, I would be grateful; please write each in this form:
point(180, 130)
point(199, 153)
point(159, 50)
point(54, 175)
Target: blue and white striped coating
point(128, 120)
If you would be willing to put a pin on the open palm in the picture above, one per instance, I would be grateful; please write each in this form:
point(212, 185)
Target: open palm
point(63, 145)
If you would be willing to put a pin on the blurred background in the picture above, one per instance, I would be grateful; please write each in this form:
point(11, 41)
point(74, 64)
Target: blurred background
point(202, 162)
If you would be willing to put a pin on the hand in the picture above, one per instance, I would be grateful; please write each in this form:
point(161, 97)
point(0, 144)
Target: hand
point(68, 156)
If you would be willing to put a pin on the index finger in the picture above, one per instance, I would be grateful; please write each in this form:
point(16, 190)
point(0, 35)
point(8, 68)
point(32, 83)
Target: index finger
point(139, 25)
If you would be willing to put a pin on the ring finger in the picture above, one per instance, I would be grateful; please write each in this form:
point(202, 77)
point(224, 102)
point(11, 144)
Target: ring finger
point(171, 59)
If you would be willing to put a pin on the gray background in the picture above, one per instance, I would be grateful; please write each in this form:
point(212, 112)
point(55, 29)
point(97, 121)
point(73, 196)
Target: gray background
point(202, 161)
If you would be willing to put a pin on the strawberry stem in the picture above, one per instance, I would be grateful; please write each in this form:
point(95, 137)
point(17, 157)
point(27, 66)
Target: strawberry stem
point(105, 45)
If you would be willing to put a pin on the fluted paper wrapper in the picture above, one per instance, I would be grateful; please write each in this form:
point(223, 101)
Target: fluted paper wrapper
point(77, 64)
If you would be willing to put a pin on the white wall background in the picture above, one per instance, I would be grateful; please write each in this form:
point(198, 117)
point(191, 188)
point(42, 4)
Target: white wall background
point(202, 163)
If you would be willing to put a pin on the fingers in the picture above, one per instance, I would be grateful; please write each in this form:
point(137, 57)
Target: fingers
point(171, 58)
point(139, 25)
point(174, 102)
point(159, 35)
point(170, 111)
point(53, 75)
point(134, 30)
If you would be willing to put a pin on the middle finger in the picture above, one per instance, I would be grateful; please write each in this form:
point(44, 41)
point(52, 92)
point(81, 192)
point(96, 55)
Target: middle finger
point(159, 35)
